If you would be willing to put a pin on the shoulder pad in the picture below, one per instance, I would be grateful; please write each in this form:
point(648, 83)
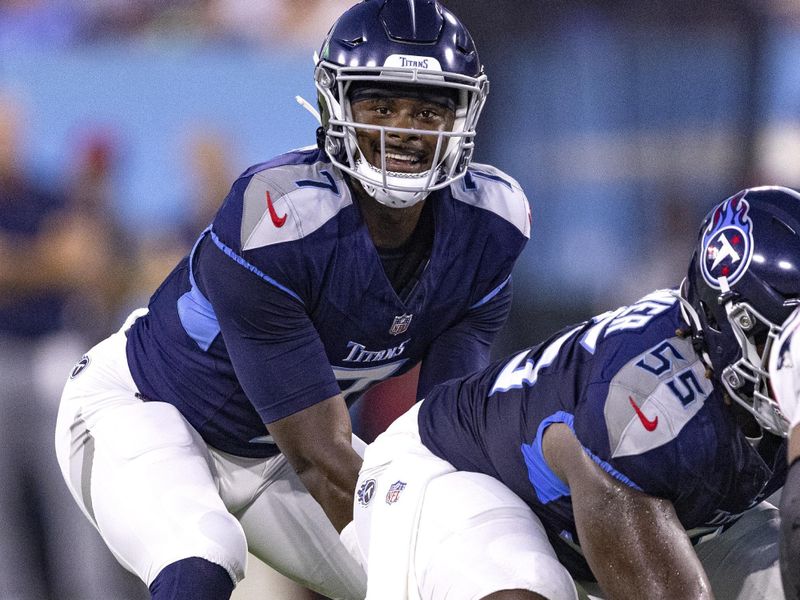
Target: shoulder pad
point(490, 188)
point(653, 396)
point(287, 202)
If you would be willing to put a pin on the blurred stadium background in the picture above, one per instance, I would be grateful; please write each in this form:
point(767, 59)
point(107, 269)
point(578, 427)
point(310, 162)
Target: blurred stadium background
point(123, 122)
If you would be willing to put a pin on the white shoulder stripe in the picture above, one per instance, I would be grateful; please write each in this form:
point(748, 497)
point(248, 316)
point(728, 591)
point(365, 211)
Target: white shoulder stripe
point(284, 204)
point(491, 189)
point(654, 396)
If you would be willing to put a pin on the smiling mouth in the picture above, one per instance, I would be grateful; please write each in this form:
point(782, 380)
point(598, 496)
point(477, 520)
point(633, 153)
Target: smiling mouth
point(403, 162)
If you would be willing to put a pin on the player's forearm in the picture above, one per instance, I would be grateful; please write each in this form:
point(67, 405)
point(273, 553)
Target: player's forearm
point(332, 484)
point(317, 442)
point(624, 578)
point(633, 542)
point(642, 552)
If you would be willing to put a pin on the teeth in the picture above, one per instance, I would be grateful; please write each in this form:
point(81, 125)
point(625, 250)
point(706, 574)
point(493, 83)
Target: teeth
point(400, 157)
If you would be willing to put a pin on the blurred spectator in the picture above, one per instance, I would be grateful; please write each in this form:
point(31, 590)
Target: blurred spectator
point(115, 19)
point(28, 311)
point(95, 248)
point(297, 23)
point(210, 171)
point(53, 251)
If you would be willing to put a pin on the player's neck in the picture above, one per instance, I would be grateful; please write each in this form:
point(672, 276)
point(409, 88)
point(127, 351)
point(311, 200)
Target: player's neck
point(388, 227)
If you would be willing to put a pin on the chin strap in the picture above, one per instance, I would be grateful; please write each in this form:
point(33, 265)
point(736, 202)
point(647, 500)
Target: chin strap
point(689, 315)
point(307, 105)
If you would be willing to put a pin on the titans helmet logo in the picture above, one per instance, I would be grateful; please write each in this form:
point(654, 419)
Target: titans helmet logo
point(727, 243)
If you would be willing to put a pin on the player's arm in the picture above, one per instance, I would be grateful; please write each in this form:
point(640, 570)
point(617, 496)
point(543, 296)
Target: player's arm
point(633, 542)
point(466, 346)
point(317, 443)
point(790, 521)
point(283, 369)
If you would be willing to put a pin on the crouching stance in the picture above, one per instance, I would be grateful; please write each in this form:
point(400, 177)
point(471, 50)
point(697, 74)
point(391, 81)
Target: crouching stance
point(630, 453)
point(217, 422)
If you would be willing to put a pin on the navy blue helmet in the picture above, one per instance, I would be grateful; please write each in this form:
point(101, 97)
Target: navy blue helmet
point(743, 283)
point(405, 44)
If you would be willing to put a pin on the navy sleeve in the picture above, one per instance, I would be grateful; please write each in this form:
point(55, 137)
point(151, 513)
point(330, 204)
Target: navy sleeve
point(465, 347)
point(275, 350)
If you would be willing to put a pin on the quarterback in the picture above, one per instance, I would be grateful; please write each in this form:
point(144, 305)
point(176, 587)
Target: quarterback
point(216, 420)
point(630, 453)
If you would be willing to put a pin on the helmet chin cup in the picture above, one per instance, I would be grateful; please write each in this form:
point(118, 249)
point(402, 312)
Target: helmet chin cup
point(371, 179)
point(393, 199)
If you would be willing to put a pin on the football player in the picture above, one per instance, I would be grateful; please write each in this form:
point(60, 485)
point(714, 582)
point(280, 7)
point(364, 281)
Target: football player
point(630, 452)
point(784, 370)
point(216, 421)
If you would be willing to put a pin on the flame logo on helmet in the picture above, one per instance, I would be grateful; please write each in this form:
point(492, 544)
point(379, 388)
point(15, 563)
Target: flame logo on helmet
point(727, 244)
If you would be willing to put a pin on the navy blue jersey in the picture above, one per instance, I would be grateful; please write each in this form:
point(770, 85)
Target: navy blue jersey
point(636, 395)
point(284, 301)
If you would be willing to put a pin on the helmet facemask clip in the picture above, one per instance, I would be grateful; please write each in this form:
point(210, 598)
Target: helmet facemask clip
point(747, 379)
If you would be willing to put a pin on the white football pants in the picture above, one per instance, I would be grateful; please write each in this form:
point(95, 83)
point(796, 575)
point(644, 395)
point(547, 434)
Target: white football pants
point(429, 532)
point(157, 493)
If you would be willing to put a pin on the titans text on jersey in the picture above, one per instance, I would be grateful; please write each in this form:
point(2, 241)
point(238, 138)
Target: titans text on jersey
point(295, 282)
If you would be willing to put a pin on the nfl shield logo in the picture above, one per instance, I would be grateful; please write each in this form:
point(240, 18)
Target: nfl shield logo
point(400, 324)
point(393, 495)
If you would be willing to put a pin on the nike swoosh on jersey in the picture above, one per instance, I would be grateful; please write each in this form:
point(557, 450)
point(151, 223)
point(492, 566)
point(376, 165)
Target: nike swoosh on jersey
point(649, 424)
point(276, 220)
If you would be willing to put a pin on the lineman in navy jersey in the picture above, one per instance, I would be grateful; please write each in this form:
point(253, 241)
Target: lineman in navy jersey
point(631, 451)
point(325, 271)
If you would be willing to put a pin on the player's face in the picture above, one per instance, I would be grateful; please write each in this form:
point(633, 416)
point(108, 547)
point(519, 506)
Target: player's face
point(405, 152)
